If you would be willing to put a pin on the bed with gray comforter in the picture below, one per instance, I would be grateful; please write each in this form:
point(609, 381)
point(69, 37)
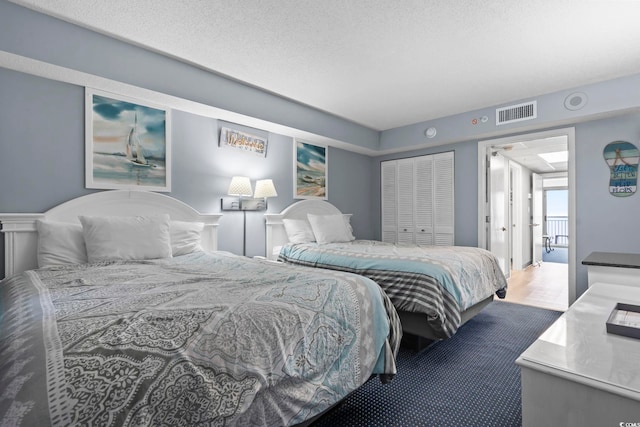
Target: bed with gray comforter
point(200, 339)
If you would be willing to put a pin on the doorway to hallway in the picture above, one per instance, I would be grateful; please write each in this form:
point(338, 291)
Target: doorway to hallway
point(545, 283)
point(536, 277)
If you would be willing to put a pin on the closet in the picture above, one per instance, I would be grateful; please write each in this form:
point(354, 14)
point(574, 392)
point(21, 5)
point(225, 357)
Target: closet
point(418, 200)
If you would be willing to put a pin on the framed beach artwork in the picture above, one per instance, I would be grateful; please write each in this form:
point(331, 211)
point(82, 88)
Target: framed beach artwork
point(310, 171)
point(127, 143)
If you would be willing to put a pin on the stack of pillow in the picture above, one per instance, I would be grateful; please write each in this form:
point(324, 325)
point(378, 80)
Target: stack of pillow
point(319, 228)
point(116, 238)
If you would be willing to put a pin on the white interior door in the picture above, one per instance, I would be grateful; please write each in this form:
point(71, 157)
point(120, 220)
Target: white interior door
point(389, 187)
point(536, 217)
point(444, 199)
point(499, 209)
point(424, 206)
point(406, 201)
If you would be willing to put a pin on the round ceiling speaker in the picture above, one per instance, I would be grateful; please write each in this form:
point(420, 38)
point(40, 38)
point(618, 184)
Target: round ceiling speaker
point(431, 132)
point(575, 101)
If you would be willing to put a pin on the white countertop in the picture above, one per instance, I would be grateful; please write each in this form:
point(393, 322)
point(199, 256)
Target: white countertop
point(577, 346)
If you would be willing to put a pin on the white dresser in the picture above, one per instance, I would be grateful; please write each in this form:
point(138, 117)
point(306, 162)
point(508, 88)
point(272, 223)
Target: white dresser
point(612, 267)
point(577, 374)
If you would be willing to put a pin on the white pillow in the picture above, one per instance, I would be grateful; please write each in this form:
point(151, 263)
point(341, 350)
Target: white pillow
point(347, 222)
point(185, 237)
point(298, 230)
point(60, 243)
point(330, 228)
point(126, 237)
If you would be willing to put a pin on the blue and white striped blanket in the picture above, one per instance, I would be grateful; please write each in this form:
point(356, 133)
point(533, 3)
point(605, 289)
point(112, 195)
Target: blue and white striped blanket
point(440, 281)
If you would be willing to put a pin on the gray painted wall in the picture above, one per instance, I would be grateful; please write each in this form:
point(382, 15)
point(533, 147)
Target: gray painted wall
point(604, 222)
point(41, 149)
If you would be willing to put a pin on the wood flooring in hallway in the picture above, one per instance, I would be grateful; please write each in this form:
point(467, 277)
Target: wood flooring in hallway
point(545, 286)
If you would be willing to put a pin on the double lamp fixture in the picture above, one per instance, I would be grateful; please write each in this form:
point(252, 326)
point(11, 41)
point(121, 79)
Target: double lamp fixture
point(246, 199)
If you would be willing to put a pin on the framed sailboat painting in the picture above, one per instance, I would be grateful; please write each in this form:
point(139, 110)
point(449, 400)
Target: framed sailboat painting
point(128, 143)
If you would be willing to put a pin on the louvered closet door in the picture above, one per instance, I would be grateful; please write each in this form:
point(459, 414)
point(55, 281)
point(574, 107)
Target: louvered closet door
point(444, 212)
point(417, 200)
point(405, 201)
point(424, 207)
point(388, 172)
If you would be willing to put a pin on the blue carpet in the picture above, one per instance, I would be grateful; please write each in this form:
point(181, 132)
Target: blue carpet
point(558, 254)
point(468, 380)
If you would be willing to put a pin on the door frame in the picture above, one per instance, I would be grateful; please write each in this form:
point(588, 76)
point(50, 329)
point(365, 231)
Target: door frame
point(483, 191)
point(515, 214)
point(537, 214)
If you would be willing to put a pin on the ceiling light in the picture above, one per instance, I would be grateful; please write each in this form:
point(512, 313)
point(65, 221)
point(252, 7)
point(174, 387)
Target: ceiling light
point(556, 157)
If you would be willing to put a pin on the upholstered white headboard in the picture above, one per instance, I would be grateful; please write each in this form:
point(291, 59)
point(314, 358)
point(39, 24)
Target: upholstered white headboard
point(21, 237)
point(276, 234)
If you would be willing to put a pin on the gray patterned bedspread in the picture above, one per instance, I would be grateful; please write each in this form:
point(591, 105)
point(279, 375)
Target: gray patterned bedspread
point(440, 281)
point(203, 339)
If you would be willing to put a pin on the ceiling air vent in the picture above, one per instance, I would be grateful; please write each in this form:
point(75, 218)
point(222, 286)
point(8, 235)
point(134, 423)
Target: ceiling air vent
point(517, 113)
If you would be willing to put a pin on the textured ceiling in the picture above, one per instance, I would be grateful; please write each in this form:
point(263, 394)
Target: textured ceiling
point(381, 63)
